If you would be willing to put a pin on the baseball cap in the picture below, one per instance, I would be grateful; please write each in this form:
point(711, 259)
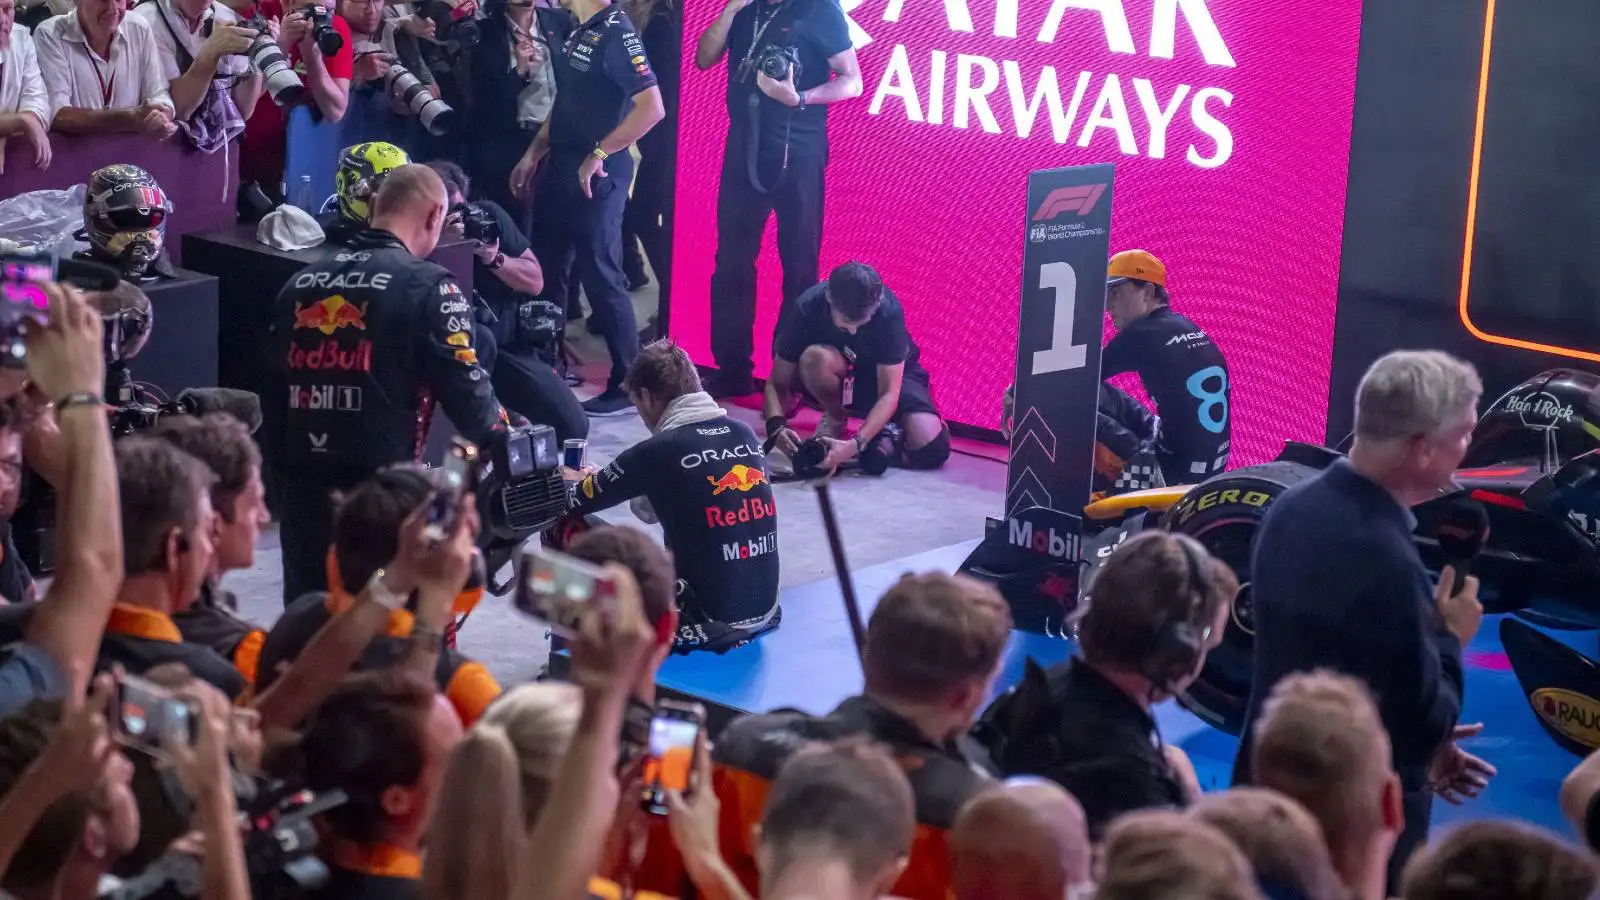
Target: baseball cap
point(1136, 265)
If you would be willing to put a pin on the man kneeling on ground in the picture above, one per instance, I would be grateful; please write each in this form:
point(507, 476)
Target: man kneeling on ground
point(847, 338)
point(702, 474)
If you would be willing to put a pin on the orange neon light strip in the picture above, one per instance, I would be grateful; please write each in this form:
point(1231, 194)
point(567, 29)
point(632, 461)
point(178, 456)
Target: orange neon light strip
point(1472, 215)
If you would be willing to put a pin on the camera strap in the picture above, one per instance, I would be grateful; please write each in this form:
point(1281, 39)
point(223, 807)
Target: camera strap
point(752, 150)
point(185, 58)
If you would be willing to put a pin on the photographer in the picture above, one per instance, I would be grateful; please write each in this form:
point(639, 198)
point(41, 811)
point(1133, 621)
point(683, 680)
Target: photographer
point(198, 46)
point(608, 99)
point(101, 72)
point(62, 636)
point(91, 817)
point(847, 342)
point(782, 59)
point(507, 278)
point(352, 398)
point(304, 35)
point(702, 474)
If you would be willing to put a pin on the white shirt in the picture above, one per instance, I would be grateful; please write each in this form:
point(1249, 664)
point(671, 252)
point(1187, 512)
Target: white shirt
point(75, 75)
point(21, 86)
point(152, 12)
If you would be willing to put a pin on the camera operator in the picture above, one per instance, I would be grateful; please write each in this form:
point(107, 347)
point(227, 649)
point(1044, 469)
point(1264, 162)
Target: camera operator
point(85, 815)
point(782, 59)
point(702, 474)
point(1180, 366)
point(199, 46)
point(305, 35)
point(101, 72)
point(607, 100)
point(62, 635)
point(846, 339)
point(356, 399)
point(24, 105)
point(382, 738)
point(507, 279)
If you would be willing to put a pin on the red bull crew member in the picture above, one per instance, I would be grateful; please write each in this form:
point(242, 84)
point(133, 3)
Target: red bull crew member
point(606, 99)
point(702, 475)
point(365, 342)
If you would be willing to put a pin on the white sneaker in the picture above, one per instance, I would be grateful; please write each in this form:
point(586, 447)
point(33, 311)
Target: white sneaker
point(830, 427)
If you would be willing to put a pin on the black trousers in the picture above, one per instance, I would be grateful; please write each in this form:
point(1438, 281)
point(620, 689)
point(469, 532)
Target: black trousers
point(649, 214)
point(526, 385)
point(305, 528)
point(490, 159)
point(742, 211)
point(580, 236)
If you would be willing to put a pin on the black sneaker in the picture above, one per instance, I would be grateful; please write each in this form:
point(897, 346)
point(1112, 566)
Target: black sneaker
point(722, 386)
point(614, 402)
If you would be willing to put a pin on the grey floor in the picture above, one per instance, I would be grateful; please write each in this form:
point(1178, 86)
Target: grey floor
point(882, 519)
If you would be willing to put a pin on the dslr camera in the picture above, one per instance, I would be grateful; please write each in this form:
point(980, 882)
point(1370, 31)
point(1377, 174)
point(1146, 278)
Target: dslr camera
point(777, 62)
point(408, 91)
point(477, 224)
point(284, 86)
point(327, 39)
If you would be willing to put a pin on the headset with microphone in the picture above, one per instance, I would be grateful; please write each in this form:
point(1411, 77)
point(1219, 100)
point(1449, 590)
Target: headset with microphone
point(1178, 645)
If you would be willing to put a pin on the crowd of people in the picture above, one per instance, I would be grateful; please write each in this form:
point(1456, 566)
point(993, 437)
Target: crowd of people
point(420, 777)
point(154, 742)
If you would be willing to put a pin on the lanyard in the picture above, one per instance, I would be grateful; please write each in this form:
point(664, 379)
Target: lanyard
point(106, 86)
point(758, 28)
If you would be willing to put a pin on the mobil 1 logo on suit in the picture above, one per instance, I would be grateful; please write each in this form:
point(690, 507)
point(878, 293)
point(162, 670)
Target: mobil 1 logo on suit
point(334, 397)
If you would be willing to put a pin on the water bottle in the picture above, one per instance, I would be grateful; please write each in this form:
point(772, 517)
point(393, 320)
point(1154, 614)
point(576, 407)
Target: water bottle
point(302, 194)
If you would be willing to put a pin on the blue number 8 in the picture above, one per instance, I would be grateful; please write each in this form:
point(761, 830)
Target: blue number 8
point(1213, 404)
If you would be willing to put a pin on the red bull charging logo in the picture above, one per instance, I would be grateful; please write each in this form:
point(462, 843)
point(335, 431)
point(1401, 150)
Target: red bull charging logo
point(332, 314)
point(739, 478)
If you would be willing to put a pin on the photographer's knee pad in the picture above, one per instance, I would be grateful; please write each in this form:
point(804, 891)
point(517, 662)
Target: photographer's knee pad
point(931, 455)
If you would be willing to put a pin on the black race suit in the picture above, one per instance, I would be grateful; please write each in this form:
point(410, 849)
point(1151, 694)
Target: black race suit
point(1185, 375)
point(707, 483)
point(364, 342)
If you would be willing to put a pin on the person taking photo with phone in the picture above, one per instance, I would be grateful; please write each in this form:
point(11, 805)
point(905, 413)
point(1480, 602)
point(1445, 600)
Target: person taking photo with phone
point(703, 476)
point(365, 343)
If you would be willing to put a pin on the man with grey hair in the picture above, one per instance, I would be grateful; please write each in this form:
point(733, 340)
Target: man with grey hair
point(1338, 584)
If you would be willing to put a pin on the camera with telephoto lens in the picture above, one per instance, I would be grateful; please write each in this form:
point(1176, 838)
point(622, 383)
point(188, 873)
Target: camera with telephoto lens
point(266, 57)
point(418, 99)
point(776, 62)
point(280, 842)
point(477, 223)
point(328, 40)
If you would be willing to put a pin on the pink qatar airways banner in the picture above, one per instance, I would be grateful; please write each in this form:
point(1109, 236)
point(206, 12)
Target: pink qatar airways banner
point(1229, 125)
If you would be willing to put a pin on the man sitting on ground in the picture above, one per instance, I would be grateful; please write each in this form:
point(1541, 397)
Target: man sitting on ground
point(702, 474)
point(847, 339)
point(1026, 839)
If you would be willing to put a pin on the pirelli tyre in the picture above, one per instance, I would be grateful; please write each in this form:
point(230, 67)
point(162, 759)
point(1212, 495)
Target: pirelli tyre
point(1224, 514)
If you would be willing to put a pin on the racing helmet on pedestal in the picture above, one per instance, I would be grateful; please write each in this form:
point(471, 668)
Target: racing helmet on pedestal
point(360, 172)
point(1553, 416)
point(125, 218)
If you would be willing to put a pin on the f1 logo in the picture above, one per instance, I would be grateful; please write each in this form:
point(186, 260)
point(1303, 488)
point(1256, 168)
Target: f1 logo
point(1079, 199)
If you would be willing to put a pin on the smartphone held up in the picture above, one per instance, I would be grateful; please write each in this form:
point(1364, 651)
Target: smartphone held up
point(561, 590)
point(674, 739)
point(151, 719)
point(457, 477)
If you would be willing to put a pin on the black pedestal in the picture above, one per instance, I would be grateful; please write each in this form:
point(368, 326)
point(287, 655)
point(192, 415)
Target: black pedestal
point(182, 350)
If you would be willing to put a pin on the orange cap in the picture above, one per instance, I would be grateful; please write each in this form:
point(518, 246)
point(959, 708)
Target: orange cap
point(1138, 265)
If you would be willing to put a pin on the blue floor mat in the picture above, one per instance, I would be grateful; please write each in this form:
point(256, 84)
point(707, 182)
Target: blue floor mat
point(810, 663)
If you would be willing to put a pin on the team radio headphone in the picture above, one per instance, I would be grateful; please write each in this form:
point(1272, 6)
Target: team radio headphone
point(1177, 646)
